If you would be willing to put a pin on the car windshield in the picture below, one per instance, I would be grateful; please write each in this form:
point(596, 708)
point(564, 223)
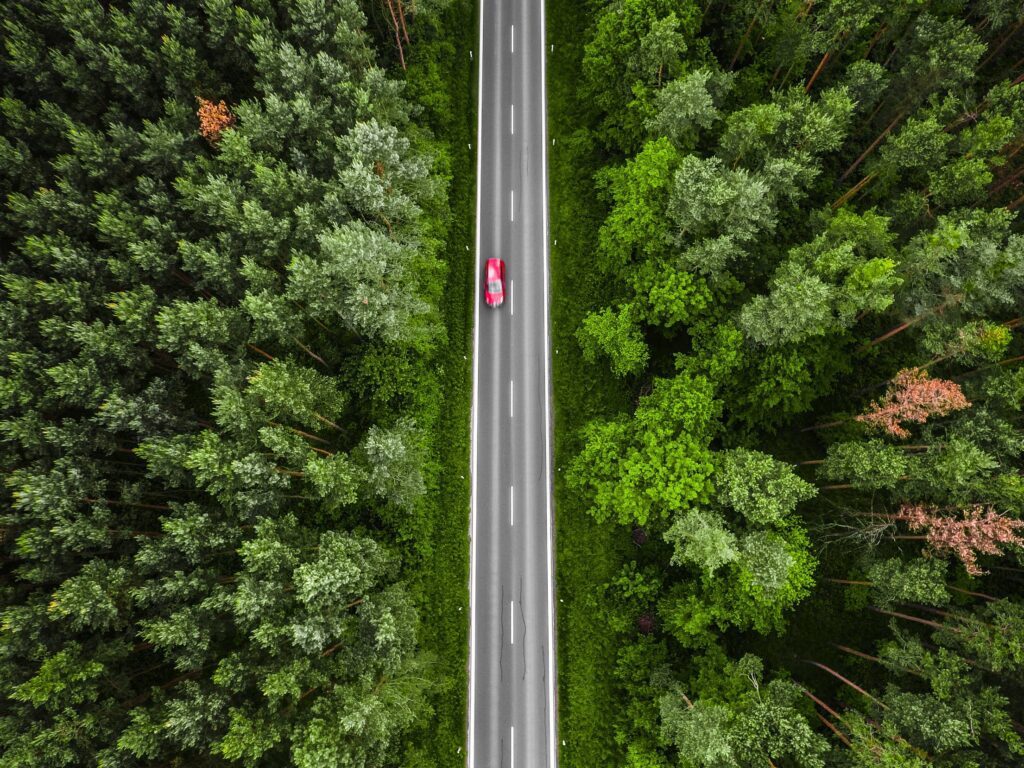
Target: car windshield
point(494, 286)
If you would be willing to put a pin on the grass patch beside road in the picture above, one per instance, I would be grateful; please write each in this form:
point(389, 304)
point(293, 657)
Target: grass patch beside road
point(588, 555)
point(442, 79)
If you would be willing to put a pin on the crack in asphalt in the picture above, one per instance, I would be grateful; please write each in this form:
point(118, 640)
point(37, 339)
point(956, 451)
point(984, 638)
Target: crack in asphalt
point(544, 678)
point(522, 615)
point(501, 646)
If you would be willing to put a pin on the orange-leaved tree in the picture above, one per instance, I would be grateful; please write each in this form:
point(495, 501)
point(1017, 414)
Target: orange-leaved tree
point(981, 531)
point(214, 119)
point(913, 396)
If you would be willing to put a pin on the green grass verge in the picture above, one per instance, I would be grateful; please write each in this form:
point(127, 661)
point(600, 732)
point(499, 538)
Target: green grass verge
point(588, 555)
point(442, 79)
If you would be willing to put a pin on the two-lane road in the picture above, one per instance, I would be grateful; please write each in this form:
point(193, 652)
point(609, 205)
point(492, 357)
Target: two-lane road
point(512, 700)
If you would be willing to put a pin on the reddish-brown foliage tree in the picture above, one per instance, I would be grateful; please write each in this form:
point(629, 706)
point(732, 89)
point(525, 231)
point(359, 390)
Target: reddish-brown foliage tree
point(214, 119)
point(913, 396)
point(981, 531)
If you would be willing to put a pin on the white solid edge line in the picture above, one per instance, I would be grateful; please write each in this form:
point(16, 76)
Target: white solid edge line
point(552, 748)
point(470, 751)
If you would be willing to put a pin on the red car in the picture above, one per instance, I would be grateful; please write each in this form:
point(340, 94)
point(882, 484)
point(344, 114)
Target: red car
point(494, 283)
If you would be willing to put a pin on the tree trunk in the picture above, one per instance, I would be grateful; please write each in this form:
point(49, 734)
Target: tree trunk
point(1013, 206)
point(1002, 43)
point(859, 654)
point(897, 330)
point(950, 587)
point(401, 18)
point(135, 504)
point(267, 355)
point(336, 646)
point(1016, 147)
point(746, 35)
point(149, 669)
point(821, 66)
point(1007, 568)
point(789, 71)
point(822, 704)
point(398, 38)
point(895, 48)
point(839, 734)
point(908, 617)
point(311, 353)
point(874, 40)
point(874, 144)
point(307, 435)
point(953, 617)
point(876, 111)
point(982, 595)
point(846, 681)
point(178, 274)
point(852, 191)
point(192, 674)
point(826, 425)
point(328, 422)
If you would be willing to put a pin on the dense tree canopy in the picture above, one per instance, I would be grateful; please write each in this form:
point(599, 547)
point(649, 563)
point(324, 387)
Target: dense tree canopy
point(221, 339)
point(813, 241)
point(217, 318)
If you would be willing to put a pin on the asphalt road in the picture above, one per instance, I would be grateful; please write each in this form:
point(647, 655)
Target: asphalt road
point(512, 699)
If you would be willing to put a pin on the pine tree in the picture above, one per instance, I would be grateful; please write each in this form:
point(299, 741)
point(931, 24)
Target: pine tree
point(177, 431)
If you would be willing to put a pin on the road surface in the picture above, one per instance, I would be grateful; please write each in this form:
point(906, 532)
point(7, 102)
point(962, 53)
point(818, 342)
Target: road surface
point(512, 700)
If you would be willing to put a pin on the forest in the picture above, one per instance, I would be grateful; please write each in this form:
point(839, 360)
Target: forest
point(235, 330)
point(789, 385)
point(233, 382)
